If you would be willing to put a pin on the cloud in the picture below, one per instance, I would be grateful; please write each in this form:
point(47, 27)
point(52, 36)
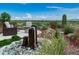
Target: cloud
point(53, 7)
point(57, 14)
point(43, 17)
point(16, 18)
point(63, 8)
point(24, 17)
point(28, 15)
point(72, 9)
point(23, 3)
point(40, 17)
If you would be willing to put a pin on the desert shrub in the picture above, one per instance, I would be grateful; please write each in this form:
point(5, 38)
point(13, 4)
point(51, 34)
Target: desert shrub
point(56, 47)
point(53, 25)
point(15, 38)
point(68, 30)
point(59, 25)
point(9, 41)
point(41, 24)
point(38, 24)
point(5, 42)
point(74, 38)
point(44, 25)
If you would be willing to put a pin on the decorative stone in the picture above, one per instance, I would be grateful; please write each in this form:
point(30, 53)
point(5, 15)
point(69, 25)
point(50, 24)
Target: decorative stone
point(32, 37)
point(35, 32)
point(25, 41)
point(15, 49)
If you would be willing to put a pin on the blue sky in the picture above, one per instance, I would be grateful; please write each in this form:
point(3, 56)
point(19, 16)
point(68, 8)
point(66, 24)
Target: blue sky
point(53, 11)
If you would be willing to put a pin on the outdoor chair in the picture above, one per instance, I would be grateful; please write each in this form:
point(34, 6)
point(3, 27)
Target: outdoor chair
point(9, 29)
point(28, 25)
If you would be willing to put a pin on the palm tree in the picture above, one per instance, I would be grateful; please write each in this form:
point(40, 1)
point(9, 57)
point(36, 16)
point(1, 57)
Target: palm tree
point(5, 16)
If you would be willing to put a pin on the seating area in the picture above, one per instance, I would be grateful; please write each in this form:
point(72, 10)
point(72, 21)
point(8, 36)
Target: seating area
point(8, 31)
point(28, 39)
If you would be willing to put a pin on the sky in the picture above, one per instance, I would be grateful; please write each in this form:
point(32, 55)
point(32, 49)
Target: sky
point(43, 11)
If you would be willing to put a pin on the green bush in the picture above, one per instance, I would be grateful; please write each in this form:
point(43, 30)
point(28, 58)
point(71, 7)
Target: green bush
point(68, 30)
point(53, 25)
point(5, 16)
point(9, 41)
point(15, 38)
point(41, 24)
point(55, 48)
point(59, 25)
point(5, 42)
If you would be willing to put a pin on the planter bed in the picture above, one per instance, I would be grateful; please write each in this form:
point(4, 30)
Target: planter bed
point(15, 48)
point(9, 41)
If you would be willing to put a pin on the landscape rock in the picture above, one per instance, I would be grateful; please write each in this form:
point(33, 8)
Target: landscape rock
point(16, 48)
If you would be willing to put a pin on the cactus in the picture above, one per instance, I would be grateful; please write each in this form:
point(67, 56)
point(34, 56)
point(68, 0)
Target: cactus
point(64, 20)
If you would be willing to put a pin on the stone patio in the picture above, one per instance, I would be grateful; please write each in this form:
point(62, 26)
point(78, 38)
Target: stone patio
point(20, 33)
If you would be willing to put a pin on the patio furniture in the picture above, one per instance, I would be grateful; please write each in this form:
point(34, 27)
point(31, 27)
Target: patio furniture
point(9, 29)
point(28, 25)
point(1, 27)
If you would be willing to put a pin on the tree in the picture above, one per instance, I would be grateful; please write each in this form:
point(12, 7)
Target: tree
point(64, 20)
point(5, 16)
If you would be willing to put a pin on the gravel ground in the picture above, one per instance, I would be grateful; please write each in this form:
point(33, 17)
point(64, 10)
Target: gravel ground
point(15, 48)
point(71, 50)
